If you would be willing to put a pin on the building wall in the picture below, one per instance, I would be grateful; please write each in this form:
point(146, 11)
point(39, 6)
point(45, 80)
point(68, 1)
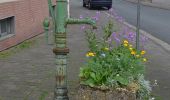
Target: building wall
point(28, 18)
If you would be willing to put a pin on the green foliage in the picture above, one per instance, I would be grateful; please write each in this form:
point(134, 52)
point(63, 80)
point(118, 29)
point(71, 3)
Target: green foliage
point(111, 26)
point(114, 67)
point(92, 40)
point(117, 64)
point(108, 29)
point(145, 90)
point(43, 95)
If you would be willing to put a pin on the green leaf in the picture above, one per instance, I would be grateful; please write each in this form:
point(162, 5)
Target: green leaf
point(90, 82)
point(93, 75)
point(81, 72)
point(122, 80)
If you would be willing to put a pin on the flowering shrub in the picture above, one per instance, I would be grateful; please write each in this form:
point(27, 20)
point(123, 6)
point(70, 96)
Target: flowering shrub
point(113, 63)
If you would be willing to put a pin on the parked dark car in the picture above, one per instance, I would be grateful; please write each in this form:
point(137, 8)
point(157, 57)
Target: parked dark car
point(97, 3)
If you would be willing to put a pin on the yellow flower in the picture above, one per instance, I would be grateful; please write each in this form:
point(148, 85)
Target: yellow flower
point(143, 52)
point(130, 49)
point(133, 52)
point(144, 59)
point(87, 55)
point(106, 49)
point(90, 54)
point(125, 42)
point(137, 56)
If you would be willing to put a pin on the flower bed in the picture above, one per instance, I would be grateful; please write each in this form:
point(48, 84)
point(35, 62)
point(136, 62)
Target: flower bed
point(114, 67)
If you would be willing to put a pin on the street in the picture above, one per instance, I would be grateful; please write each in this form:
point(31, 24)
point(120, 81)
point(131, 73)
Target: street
point(30, 73)
point(153, 20)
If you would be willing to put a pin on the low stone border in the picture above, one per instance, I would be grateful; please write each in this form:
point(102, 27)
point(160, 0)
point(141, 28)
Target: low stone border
point(87, 93)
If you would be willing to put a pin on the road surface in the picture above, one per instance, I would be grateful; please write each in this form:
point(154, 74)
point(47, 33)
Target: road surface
point(153, 20)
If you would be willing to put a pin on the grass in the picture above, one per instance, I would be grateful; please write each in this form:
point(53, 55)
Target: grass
point(43, 95)
point(18, 48)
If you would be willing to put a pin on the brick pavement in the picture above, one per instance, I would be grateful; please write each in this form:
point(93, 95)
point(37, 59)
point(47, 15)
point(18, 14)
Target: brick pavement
point(24, 76)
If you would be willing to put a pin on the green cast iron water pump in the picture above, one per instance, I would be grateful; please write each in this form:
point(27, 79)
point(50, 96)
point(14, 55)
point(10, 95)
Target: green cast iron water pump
point(60, 20)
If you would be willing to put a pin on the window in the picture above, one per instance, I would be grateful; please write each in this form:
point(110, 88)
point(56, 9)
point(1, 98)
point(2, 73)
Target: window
point(6, 26)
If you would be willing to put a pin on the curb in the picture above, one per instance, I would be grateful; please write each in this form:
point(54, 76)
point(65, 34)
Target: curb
point(161, 6)
point(163, 44)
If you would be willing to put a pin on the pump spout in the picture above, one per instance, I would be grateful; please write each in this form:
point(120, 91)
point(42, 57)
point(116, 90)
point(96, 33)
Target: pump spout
point(82, 21)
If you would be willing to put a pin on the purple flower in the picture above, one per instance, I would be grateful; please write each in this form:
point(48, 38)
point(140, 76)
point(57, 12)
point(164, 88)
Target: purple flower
point(97, 15)
point(81, 16)
point(143, 40)
point(114, 36)
point(120, 19)
point(115, 14)
point(82, 27)
point(98, 12)
point(110, 10)
point(95, 18)
point(116, 17)
point(117, 40)
point(131, 36)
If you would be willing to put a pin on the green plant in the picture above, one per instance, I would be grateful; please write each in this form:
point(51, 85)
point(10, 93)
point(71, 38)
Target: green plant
point(0, 98)
point(145, 90)
point(43, 95)
point(110, 67)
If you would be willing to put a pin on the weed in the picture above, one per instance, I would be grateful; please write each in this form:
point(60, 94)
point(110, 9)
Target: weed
point(18, 48)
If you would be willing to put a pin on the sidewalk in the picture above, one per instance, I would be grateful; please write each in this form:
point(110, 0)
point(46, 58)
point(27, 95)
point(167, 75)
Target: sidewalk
point(162, 4)
point(29, 75)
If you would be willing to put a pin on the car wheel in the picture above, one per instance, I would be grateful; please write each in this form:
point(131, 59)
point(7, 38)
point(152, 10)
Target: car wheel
point(89, 5)
point(108, 7)
point(84, 5)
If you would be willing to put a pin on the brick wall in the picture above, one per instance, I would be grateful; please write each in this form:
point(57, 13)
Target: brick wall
point(28, 18)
